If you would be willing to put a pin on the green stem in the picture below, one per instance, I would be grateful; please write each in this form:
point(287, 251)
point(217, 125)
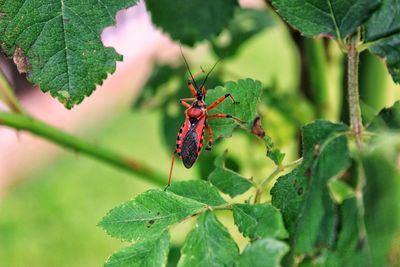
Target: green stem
point(317, 67)
point(7, 94)
point(352, 88)
point(275, 173)
point(42, 129)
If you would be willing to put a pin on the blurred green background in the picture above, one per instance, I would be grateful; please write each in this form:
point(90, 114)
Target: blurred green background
point(49, 218)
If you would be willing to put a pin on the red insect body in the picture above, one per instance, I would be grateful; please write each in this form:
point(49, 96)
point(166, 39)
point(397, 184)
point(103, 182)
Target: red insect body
point(190, 137)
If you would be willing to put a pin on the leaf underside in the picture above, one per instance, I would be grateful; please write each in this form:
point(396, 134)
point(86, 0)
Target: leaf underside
point(383, 31)
point(58, 43)
point(193, 20)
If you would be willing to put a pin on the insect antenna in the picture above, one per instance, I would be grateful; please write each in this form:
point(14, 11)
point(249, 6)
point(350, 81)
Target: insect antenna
point(188, 68)
point(205, 79)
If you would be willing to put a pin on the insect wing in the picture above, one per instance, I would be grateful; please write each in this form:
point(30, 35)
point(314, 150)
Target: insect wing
point(192, 143)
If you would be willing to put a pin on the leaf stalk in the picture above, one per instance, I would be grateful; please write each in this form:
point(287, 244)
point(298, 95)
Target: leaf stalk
point(353, 91)
point(48, 132)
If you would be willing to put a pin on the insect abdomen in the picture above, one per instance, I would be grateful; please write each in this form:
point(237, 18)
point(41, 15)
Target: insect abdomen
point(189, 149)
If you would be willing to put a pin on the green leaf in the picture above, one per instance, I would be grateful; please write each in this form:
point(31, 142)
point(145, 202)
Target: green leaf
point(303, 195)
point(58, 43)
point(266, 252)
point(208, 245)
point(246, 23)
point(352, 248)
point(199, 190)
point(383, 31)
point(272, 152)
point(247, 93)
point(148, 215)
point(228, 181)
point(259, 221)
point(381, 201)
point(191, 21)
point(334, 18)
point(148, 253)
point(340, 190)
point(388, 118)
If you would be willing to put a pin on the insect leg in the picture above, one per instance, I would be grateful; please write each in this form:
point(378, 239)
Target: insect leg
point(224, 116)
point(190, 83)
point(184, 103)
point(210, 136)
point(170, 170)
point(220, 100)
point(203, 90)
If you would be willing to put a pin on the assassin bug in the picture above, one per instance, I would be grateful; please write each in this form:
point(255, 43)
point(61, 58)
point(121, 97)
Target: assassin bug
point(191, 134)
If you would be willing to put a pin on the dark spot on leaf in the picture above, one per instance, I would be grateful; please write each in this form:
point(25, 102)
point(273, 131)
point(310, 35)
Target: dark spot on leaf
point(158, 213)
point(300, 191)
point(257, 128)
point(151, 222)
point(308, 172)
point(20, 60)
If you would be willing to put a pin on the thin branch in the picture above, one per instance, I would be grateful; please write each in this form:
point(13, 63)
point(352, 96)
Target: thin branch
point(272, 176)
point(48, 132)
point(8, 96)
point(352, 88)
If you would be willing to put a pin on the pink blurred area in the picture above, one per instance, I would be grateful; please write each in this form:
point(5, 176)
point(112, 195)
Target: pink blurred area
point(139, 42)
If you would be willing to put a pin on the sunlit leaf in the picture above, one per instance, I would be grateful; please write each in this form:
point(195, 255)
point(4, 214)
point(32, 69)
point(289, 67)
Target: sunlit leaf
point(247, 93)
point(266, 252)
point(259, 221)
point(148, 215)
point(148, 253)
point(226, 180)
point(208, 245)
point(198, 190)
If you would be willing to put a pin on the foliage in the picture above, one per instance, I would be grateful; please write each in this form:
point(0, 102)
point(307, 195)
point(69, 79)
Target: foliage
point(58, 43)
point(326, 211)
point(193, 20)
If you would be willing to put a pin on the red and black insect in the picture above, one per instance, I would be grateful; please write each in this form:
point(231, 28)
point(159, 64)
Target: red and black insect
point(191, 134)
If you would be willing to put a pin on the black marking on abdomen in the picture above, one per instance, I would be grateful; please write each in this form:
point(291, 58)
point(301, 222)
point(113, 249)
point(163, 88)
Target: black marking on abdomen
point(189, 149)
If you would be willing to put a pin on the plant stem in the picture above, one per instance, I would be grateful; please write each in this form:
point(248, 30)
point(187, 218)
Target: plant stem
point(317, 73)
point(7, 94)
point(42, 129)
point(352, 88)
point(267, 180)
